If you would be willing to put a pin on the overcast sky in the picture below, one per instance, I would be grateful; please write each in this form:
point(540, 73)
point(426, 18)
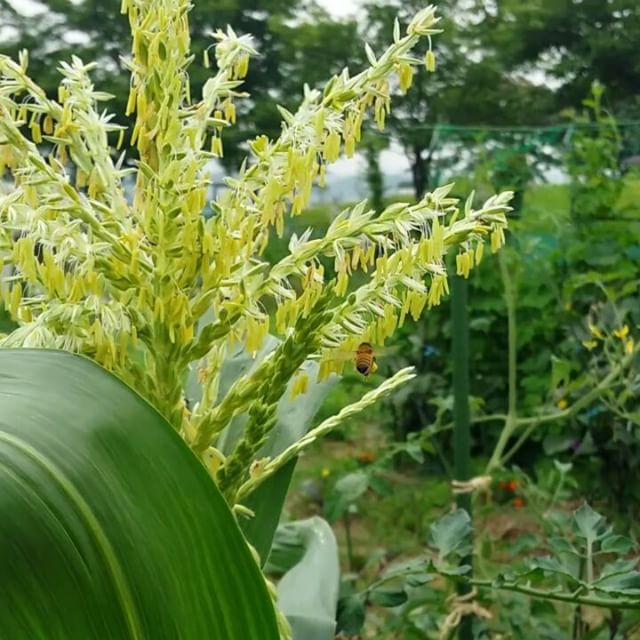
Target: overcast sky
point(337, 8)
point(340, 8)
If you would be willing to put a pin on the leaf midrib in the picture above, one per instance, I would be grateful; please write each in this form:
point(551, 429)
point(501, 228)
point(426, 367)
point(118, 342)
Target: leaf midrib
point(94, 528)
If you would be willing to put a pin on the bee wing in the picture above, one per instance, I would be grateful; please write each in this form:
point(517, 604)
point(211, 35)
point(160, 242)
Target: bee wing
point(336, 356)
point(385, 352)
point(344, 355)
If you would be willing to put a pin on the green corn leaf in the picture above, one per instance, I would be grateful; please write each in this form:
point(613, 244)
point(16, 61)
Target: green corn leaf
point(286, 551)
point(109, 527)
point(293, 421)
point(266, 502)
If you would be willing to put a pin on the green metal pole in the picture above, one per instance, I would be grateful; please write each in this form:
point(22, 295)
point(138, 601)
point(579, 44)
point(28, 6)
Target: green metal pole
point(461, 429)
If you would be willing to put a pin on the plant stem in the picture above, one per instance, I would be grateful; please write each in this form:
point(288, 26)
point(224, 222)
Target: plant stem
point(443, 460)
point(594, 601)
point(461, 429)
point(346, 519)
point(534, 421)
point(524, 436)
point(511, 421)
point(577, 613)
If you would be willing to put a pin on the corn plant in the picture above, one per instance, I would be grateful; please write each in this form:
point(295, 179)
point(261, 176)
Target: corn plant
point(160, 294)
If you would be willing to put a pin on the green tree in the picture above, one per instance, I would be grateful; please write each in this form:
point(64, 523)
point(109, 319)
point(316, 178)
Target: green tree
point(573, 41)
point(469, 86)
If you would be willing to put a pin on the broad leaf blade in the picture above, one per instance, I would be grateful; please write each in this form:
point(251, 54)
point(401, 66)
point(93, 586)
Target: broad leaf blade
point(452, 533)
point(588, 523)
point(616, 544)
point(293, 421)
point(266, 503)
point(109, 527)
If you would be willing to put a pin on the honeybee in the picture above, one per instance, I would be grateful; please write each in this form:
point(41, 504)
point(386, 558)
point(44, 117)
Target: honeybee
point(365, 360)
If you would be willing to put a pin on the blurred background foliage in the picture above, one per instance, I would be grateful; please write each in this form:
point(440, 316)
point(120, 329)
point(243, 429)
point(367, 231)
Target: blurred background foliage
point(542, 97)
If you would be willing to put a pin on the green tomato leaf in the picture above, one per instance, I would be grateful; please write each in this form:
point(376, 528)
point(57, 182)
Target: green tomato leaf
point(388, 598)
point(616, 544)
point(414, 450)
point(380, 485)
point(562, 545)
point(588, 523)
point(557, 443)
point(514, 577)
point(616, 568)
point(412, 571)
point(454, 572)
point(560, 372)
point(563, 467)
point(552, 565)
point(345, 492)
point(352, 486)
point(110, 527)
point(418, 579)
point(624, 584)
point(402, 567)
point(351, 614)
point(452, 533)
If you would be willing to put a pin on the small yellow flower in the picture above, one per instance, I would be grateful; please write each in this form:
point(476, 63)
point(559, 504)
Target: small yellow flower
point(595, 332)
point(562, 404)
point(622, 332)
point(589, 344)
point(628, 345)
point(325, 473)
